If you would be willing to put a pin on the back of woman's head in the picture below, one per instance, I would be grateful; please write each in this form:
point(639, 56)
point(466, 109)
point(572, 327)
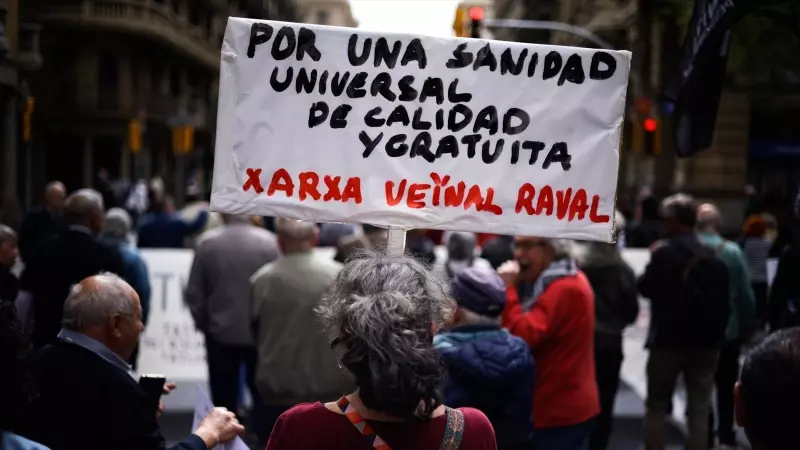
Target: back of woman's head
point(383, 311)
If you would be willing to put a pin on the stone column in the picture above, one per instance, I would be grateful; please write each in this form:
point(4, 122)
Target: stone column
point(144, 84)
point(180, 180)
point(125, 84)
point(125, 160)
point(88, 83)
point(163, 83)
point(9, 152)
point(88, 161)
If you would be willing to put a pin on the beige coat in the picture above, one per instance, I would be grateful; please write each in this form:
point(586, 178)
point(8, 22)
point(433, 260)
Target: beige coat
point(295, 361)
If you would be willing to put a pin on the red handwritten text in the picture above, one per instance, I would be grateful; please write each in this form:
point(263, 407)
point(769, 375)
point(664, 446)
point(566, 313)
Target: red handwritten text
point(438, 192)
point(568, 204)
point(309, 186)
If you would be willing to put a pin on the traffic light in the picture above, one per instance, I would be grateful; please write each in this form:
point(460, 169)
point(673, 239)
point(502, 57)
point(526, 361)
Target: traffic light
point(182, 139)
point(134, 136)
point(651, 136)
point(459, 24)
point(27, 118)
point(476, 15)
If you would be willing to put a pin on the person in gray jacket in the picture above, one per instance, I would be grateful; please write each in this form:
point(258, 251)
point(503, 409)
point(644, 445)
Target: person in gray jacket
point(616, 307)
point(295, 362)
point(218, 296)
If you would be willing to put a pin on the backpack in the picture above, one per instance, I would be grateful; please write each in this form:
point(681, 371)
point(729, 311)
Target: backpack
point(705, 298)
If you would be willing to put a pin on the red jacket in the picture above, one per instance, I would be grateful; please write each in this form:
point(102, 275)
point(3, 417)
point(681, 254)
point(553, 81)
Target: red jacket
point(559, 329)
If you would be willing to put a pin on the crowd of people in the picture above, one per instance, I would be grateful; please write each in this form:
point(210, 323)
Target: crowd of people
point(509, 342)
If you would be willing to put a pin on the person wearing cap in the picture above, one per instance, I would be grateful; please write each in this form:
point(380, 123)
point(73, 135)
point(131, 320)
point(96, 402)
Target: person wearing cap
point(488, 368)
point(461, 248)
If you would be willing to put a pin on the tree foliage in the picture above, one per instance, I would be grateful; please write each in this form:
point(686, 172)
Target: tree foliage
point(765, 45)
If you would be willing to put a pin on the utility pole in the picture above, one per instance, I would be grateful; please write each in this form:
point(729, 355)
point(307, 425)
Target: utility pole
point(669, 60)
point(646, 89)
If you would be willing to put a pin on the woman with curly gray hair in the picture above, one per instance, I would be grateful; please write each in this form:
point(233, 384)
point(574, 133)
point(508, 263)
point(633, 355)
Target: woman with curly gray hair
point(383, 312)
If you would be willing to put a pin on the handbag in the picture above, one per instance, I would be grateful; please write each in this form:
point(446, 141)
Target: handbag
point(453, 433)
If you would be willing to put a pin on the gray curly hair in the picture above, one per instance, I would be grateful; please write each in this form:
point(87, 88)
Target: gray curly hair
point(382, 311)
point(118, 224)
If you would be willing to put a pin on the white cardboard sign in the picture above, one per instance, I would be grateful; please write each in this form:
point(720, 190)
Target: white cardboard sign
point(341, 125)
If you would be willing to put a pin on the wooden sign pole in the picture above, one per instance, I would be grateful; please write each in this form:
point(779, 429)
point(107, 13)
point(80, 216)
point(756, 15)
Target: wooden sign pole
point(396, 243)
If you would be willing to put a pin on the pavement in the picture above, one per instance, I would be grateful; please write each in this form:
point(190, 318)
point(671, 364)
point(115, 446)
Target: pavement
point(628, 412)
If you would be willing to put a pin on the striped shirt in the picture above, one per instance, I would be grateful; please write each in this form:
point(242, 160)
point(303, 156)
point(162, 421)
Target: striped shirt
point(756, 251)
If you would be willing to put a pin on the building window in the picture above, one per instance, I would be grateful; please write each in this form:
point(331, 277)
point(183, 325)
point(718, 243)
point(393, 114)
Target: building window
point(108, 80)
point(322, 17)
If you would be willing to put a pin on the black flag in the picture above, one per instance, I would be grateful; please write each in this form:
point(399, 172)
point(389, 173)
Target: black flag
point(697, 88)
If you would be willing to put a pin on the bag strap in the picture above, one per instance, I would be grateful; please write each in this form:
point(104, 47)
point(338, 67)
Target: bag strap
point(361, 425)
point(453, 432)
point(700, 254)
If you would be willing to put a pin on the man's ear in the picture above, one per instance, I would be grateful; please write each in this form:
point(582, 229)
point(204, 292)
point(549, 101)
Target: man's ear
point(738, 405)
point(114, 324)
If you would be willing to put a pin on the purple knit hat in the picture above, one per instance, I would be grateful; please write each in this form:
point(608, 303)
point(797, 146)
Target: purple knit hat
point(479, 290)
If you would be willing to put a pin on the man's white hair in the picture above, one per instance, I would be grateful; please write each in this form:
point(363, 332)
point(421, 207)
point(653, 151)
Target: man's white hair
point(118, 223)
point(563, 248)
point(86, 306)
point(295, 230)
point(82, 205)
point(7, 234)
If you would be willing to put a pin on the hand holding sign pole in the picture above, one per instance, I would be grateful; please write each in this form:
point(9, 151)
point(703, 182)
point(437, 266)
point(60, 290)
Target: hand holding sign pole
point(328, 124)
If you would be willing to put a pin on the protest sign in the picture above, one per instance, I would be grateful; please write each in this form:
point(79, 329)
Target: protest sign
point(170, 342)
point(341, 125)
point(202, 407)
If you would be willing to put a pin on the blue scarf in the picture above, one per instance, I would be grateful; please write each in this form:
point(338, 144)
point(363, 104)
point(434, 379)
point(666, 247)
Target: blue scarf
point(557, 269)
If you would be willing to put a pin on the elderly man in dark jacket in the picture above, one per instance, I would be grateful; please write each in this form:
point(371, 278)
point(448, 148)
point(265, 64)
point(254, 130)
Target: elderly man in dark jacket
point(488, 368)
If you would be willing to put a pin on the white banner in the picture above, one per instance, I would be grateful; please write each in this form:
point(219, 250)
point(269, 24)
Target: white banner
point(170, 344)
point(342, 125)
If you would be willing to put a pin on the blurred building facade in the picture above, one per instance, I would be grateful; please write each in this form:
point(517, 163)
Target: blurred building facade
point(113, 66)
point(326, 12)
point(717, 174)
point(19, 56)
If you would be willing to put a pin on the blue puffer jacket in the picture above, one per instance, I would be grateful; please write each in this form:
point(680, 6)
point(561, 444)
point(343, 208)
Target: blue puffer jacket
point(493, 371)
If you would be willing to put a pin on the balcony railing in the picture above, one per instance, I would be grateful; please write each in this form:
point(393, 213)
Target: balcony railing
point(154, 20)
point(194, 111)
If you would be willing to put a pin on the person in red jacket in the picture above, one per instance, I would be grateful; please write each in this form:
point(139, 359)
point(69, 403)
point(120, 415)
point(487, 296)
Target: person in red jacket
point(550, 305)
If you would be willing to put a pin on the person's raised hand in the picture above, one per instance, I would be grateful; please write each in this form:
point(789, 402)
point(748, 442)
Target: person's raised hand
point(509, 272)
point(219, 426)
